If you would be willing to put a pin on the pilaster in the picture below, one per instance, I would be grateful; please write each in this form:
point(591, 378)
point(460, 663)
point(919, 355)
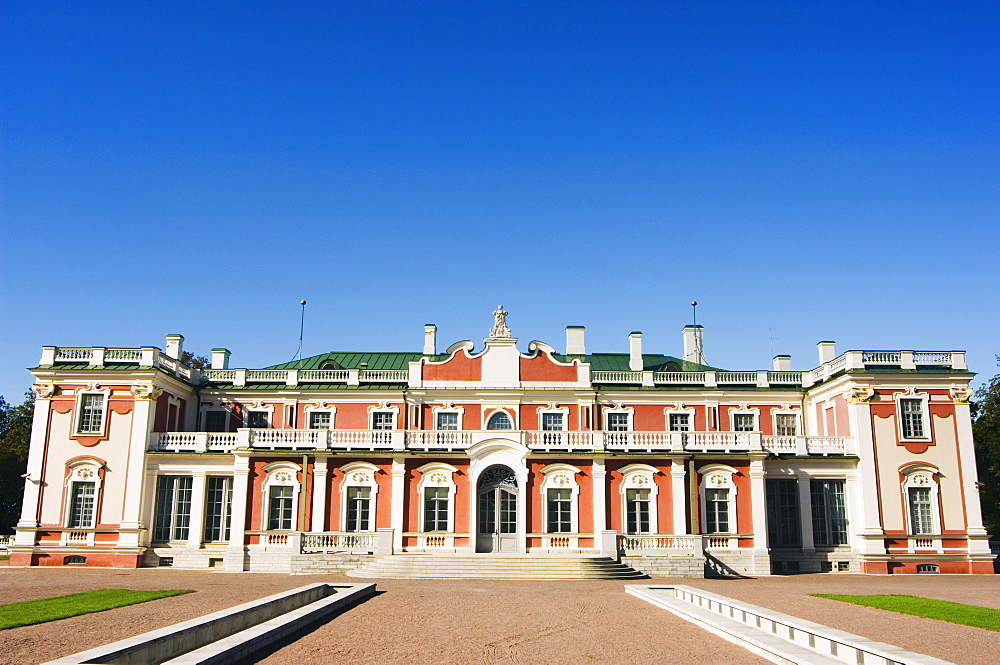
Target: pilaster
point(319, 495)
point(30, 506)
point(600, 475)
point(865, 493)
point(143, 411)
point(678, 496)
point(237, 528)
point(396, 497)
point(196, 525)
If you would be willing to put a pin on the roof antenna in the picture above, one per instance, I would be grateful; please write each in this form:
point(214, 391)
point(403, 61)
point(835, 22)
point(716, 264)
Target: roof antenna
point(302, 327)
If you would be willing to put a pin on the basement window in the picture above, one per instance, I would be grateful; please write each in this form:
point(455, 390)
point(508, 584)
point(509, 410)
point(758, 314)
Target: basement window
point(75, 561)
point(928, 568)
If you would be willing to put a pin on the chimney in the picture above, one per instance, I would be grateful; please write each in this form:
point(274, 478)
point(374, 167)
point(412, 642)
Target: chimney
point(635, 351)
point(782, 363)
point(220, 358)
point(430, 339)
point(827, 351)
point(694, 345)
point(175, 346)
point(574, 341)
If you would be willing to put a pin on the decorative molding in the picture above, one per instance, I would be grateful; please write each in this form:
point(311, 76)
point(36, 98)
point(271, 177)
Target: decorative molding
point(499, 329)
point(961, 395)
point(44, 390)
point(857, 395)
point(146, 391)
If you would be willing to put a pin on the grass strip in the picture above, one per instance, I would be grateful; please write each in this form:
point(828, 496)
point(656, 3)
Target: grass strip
point(943, 610)
point(31, 612)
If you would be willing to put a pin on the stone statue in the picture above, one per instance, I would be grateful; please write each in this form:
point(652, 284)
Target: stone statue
point(499, 328)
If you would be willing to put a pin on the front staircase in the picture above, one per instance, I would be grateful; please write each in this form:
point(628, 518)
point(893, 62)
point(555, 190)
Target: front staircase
point(495, 567)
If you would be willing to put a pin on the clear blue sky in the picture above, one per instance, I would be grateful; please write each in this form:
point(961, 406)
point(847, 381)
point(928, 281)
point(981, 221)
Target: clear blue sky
point(806, 171)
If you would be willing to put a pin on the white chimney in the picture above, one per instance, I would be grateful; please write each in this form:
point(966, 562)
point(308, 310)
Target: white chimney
point(635, 351)
point(430, 339)
point(574, 341)
point(694, 344)
point(220, 358)
point(827, 351)
point(175, 346)
point(782, 363)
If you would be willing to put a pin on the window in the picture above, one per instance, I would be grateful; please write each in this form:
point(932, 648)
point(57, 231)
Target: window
point(717, 510)
point(358, 509)
point(436, 509)
point(679, 422)
point(782, 499)
point(785, 424)
point(319, 420)
point(829, 513)
point(921, 515)
point(91, 416)
point(500, 420)
point(173, 508)
point(912, 418)
point(743, 422)
point(81, 507)
point(447, 421)
point(552, 422)
point(382, 419)
point(637, 511)
point(280, 496)
point(559, 509)
point(216, 421)
point(218, 508)
point(617, 422)
point(279, 508)
point(258, 419)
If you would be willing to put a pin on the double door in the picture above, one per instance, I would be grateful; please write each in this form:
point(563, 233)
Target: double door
point(497, 513)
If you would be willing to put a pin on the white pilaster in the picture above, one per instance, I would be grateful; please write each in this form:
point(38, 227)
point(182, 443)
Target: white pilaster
point(678, 496)
point(143, 412)
point(396, 497)
point(319, 495)
point(237, 528)
point(805, 512)
point(196, 524)
point(36, 460)
point(865, 492)
point(600, 489)
point(757, 501)
point(970, 478)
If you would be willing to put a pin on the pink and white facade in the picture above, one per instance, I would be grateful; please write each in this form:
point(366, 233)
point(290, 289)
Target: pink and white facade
point(863, 464)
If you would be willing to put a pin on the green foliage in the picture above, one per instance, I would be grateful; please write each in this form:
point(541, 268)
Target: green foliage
point(193, 361)
point(15, 438)
point(943, 610)
point(31, 612)
point(986, 430)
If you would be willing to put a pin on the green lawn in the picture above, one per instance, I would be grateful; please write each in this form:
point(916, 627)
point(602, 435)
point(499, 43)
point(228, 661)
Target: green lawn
point(30, 612)
point(967, 615)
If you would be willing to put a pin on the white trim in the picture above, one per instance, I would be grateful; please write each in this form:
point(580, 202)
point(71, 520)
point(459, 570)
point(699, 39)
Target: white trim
point(257, 406)
point(319, 407)
point(718, 476)
point(912, 394)
point(383, 407)
point(552, 408)
point(78, 411)
point(560, 476)
point(921, 476)
point(490, 411)
point(629, 411)
point(280, 474)
point(787, 410)
point(436, 474)
point(678, 410)
point(85, 470)
point(447, 407)
point(359, 474)
point(744, 410)
point(642, 477)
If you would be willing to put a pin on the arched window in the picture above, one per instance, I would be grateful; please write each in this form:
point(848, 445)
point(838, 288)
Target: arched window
point(281, 494)
point(500, 420)
point(718, 499)
point(358, 493)
point(638, 497)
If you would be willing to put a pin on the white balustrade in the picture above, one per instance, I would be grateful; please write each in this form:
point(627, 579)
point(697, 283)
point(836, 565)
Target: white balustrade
point(289, 439)
point(784, 378)
point(73, 354)
point(736, 377)
point(560, 440)
point(660, 542)
point(880, 357)
point(639, 441)
point(438, 440)
point(679, 378)
point(616, 377)
point(826, 445)
point(932, 358)
point(716, 441)
point(719, 542)
point(338, 541)
point(223, 441)
point(384, 375)
point(781, 445)
point(366, 439)
point(219, 375)
point(323, 375)
point(123, 355)
point(268, 375)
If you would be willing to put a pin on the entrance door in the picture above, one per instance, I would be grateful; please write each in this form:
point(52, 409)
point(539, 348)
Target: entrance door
point(497, 500)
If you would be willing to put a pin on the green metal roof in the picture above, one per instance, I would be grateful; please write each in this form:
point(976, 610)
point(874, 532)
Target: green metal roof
point(651, 362)
point(354, 360)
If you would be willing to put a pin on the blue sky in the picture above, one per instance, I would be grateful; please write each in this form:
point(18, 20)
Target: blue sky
point(806, 171)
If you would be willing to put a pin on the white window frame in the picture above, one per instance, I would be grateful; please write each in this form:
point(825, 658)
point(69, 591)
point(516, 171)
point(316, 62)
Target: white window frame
point(280, 474)
point(448, 408)
point(105, 393)
point(922, 476)
point(84, 470)
point(678, 411)
point(258, 406)
point(553, 409)
point(436, 475)
point(618, 438)
point(560, 477)
point(643, 477)
point(383, 407)
point(322, 407)
point(718, 476)
point(786, 411)
point(924, 398)
point(512, 413)
point(359, 474)
point(215, 409)
point(744, 410)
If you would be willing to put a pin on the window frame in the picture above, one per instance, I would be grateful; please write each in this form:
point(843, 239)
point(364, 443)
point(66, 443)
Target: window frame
point(280, 474)
point(786, 412)
point(359, 475)
point(226, 419)
point(718, 477)
point(560, 476)
point(321, 407)
point(780, 517)
point(671, 411)
point(923, 399)
point(436, 475)
point(176, 533)
point(639, 477)
point(81, 472)
point(827, 520)
point(225, 515)
point(511, 416)
point(79, 413)
point(920, 477)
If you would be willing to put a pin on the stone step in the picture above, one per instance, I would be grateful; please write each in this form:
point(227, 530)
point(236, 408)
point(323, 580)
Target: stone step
point(494, 567)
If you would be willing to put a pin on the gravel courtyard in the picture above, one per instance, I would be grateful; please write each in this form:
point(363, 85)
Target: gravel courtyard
point(485, 621)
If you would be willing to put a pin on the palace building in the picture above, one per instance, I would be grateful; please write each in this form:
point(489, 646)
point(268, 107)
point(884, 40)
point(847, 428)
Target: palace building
point(666, 464)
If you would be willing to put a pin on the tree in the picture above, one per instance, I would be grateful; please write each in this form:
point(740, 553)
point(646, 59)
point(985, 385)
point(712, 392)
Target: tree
point(15, 438)
point(193, 361)
point(986, 433)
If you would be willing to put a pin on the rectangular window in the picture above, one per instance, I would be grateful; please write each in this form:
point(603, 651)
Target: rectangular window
point(552, 422)
point(319, 420)
point(382, 420)
point(912, 418)
point(173, 508)
point(617, 422)
point(680, 422)
point(257, 419)
point(637, 511)
point(743, 422)
point(218, 508)
point(436, 509)
point(279, 509)
point(782, 498)
point(216, 421)
point(358, 508)
point(717, 511)
point(81, 506)
point(829, 513)
point(921, 517)
point(785, 424)
point(91, 414)
point(559, 505)
point(447, 421)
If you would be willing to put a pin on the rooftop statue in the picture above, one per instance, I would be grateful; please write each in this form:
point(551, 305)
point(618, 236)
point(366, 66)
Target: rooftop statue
point(499, 328)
